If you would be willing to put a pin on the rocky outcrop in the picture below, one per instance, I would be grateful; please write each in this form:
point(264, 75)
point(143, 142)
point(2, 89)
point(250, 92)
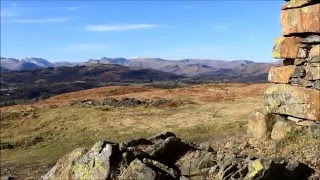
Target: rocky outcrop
point(166, 156)
point(127, 102)
point(300, 20)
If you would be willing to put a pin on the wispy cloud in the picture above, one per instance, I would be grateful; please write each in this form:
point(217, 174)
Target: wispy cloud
point(220, 27)
point(126, 27)
point(40, 21)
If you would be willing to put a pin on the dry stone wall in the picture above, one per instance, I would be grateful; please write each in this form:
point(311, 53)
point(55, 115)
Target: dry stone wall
point(296, 93)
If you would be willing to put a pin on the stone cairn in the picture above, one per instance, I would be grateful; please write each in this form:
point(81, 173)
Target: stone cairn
point(295, 96)
point(297, 92)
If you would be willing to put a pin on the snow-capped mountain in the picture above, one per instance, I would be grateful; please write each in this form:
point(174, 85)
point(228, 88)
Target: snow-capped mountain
point(28, 63)
point(37, 61)
point(185, 67)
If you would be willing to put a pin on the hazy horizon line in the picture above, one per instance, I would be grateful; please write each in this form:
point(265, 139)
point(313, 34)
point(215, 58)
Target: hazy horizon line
point(137, 57)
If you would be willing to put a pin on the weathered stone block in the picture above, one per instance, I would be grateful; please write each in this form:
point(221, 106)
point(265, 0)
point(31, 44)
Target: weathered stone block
point(312, 73)
point(302, 82)
point(301, 20)
point(306, 123)
point(311, 39)
point(299, 71)
point(139, 170)
point(281, 130)
point(281, 74)
point(302, 53)
point(83, 164)
point(286, 47)
point(314, 61)
point(296, 3)
point(64, 167)
point(260, 125)
point(315, 51)
point(299, 61)
point(316, 84)
point(292, 100)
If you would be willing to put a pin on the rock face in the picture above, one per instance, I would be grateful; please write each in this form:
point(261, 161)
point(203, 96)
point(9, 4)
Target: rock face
point(83, 164)
point(297, 92)
point(286, 47)
point(312, 73)
point(260, 125)
point(315, 51)
point(166, 156)
point(311, 39)
point(292, 100)
point(297, 3)
point(300, 20)
point(281, 130)
point(281, 74)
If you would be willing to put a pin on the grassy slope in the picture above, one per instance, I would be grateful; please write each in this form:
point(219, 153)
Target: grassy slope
point(45, 133)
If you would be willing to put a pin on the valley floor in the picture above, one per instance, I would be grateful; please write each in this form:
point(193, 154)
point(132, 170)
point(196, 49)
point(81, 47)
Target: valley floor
point(44, 131)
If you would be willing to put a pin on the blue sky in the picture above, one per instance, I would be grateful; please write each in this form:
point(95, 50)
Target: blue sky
point(79, 30)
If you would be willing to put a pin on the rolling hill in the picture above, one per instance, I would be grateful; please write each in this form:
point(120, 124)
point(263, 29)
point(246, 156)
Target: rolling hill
point(23, 85)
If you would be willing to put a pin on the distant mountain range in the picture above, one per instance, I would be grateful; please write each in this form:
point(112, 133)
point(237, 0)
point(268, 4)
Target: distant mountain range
point(12, 64)
point(184, 67)
point(36, 78)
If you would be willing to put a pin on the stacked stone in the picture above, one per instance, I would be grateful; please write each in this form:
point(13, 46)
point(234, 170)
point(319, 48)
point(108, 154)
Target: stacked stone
point(296, 93)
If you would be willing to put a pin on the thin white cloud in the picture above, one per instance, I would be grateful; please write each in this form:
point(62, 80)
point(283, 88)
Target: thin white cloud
point(220, 27)
point(40, 21)
point(127, 27)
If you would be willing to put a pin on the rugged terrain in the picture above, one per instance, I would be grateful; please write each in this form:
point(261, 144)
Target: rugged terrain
point(42, 132)
point(31, 85)
point(184, 67)
point(18, 86)
point(34, 136)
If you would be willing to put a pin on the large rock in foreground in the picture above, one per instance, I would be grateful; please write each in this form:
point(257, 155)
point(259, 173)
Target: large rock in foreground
point(292, 100)
point(83, 164)
point(260, 125)
point(301, 20)
point(165, 156)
